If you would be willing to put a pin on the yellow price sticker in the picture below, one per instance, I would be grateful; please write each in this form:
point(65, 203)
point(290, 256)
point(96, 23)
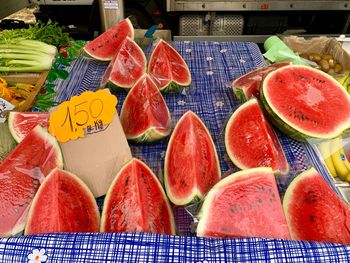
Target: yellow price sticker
point(90, 109)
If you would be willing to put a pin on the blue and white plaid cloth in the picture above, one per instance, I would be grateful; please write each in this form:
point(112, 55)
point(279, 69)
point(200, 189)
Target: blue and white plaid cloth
point(213, 66)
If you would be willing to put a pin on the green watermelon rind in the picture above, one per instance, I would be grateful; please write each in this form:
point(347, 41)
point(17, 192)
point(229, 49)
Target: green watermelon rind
point(115, 180)
point(172, 85)
point(46, 181)
point(43, 133)
point(132, 32)
point(150, 135)
point(114, 84)
point(230, 154)
point(195, 194)
point(205, 212)
point(288, 128)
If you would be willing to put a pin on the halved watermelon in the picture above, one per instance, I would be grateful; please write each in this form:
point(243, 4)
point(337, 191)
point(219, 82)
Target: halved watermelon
point(127, 66)
point(167, 68)
point(251, 142)
point(191, 162)
point(20, 175)
point(144, 114)
point(63, 203)
point(244, 204)
point(248, 85)
point(105, 46)
point(306, 103)
point(136, 202)
point(314, 211)
point(21, 123)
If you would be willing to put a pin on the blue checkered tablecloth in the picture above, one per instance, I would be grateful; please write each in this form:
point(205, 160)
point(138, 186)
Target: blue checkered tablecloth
point(213, 66)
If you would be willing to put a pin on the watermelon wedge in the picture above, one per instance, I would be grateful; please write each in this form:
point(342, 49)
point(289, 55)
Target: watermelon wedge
point(304, 102)
point(244, 204)
point(248, 85)
point(314, 211)
point(191, 162)
point(63, 203)
point(105, 46)
point(21, 123)
point(127, 66)
point(20, 175)
point(144, 114)
point(251, 142)
point(136, 202)
point(167, 68)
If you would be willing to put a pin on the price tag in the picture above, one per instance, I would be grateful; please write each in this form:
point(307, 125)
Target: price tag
point(4, 106)
point(88, 111)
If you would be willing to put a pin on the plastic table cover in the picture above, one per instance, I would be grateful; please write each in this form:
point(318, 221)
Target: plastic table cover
point(213, 66)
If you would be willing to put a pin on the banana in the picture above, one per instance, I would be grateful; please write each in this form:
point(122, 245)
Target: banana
point(339, 159)
point(324, 149)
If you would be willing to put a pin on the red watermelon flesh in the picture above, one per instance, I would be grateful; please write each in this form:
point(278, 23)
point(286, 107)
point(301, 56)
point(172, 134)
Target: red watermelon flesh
point(136, 202)
point(191, 161)
point(244, 204)
point(105, 46)
point(63, 203)
point(144, 114)
point(21, 123)
point(251, 142)
point(167, 68)
point(20, 176)
point(128, 65)
point(248, 85)
point(306, 102)
point(314, 211)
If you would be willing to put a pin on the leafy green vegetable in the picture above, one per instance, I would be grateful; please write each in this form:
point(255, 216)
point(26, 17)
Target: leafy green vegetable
point(50, 33)
point(26, 56)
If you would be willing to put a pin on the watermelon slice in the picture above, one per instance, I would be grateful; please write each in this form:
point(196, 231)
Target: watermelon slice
point(63, 203)
point(20, 175)
point(136, 202)
point(314, 212)
point(248, 85)
point(167, 68)
point(251, 142)
point(21, 123)
point(306, 103)
point(105, 46)
point(144, 114)
point(191, 162)
point(244, 204)
point(128, 65)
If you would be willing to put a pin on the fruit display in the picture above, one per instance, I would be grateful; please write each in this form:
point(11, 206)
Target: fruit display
point(191, 165)
point(244, 204)
point(251, 142)
point(144, 115)
point(136, 202)
point(208, 161)
point(314, 211)
point(298, 98)
point(63, 203)
point(167, 68)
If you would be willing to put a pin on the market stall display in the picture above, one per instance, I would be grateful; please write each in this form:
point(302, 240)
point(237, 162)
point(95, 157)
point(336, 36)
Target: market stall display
point(208, 99)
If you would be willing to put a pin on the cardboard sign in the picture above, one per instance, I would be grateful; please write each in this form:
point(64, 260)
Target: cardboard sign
point(88, 111)
point(97, 157)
